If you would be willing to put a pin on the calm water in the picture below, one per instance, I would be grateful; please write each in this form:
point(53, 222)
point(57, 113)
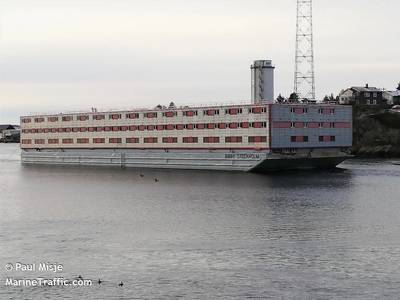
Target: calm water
point(203, 235)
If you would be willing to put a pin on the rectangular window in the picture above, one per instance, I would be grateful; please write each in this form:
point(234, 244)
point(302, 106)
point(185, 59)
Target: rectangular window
point(68, 141)
point(52, 119)
point(115, 140)
point(82, 118)
point(99, 117)
point(259, 125)
point(133, 140)
point(190, 140)
point(190, 113)
point(211, 139)
point(327, 138)
point(200, 126)
point(150, 140)
point(169, 114)
point(39, 120)
point(258, 110)
point(233, 125)
point(67, 118)
point(114, 116)
point(99, 140)
point(233, 139)
point(132, 116)
point(82, 141)
point(221, 125)
point(233, 111)
point(169, 140)
point(52, 141)
point(299, 110)
point(26, 141)
point(39, 141)
point(257, 139)
point(151, 115)
point(133, 128)
point(26, 120)
point(299, 139)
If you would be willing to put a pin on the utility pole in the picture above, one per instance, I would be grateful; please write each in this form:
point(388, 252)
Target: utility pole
point(304, 76)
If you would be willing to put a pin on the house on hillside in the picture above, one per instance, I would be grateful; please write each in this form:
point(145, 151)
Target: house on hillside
point(393, 97)
point(362, 96)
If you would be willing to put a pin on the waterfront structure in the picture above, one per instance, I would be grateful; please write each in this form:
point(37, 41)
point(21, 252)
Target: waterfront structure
point(9, 133)
point(262, 81)
point(249, 137)
point(362, 96)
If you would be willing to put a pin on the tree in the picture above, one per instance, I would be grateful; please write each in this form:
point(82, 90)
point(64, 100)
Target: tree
point(172, 105)
point(398, 88)
point(294, 98)
point(280, 99)
point(332, 98)
point(326, 99)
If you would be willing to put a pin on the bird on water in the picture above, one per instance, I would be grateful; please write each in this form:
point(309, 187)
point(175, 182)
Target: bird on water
point(121, 283)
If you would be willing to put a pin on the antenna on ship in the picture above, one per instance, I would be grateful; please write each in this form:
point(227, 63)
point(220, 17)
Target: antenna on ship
point(304, 76)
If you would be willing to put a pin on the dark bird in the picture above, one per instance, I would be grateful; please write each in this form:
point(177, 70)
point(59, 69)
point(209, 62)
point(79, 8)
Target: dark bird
point(80, 277)
point(141, 175)
point(99, 281)
point(156, 180)
point(121, 283)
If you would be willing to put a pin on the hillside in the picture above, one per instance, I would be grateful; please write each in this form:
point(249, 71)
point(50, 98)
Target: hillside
point(376, 132)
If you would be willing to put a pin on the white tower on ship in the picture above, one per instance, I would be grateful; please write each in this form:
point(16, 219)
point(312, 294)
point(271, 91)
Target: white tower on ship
point(262, 81)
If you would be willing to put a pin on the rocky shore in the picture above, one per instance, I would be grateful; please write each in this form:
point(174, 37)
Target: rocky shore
point(376, 132)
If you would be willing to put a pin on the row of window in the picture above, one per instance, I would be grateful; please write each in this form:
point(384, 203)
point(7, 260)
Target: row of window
point(304, 110)
point(147, 140)
point(150, 127)
point(312, 125)
point(304, 139)
point(167, 114)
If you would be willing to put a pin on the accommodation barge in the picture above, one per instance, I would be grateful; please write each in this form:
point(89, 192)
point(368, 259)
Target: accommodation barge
point(250, 137)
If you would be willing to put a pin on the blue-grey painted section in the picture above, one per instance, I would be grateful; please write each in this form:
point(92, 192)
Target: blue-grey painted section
point(281, 137)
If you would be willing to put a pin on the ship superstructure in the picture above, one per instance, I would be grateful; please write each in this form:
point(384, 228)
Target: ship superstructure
point(249, 137)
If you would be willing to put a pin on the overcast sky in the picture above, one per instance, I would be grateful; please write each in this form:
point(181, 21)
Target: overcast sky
point(62, 55)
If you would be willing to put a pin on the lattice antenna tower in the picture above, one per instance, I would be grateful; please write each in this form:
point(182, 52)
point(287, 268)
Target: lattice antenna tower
point(304, 76)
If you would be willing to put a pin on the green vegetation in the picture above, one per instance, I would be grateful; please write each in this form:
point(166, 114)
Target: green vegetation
point(376, 132)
